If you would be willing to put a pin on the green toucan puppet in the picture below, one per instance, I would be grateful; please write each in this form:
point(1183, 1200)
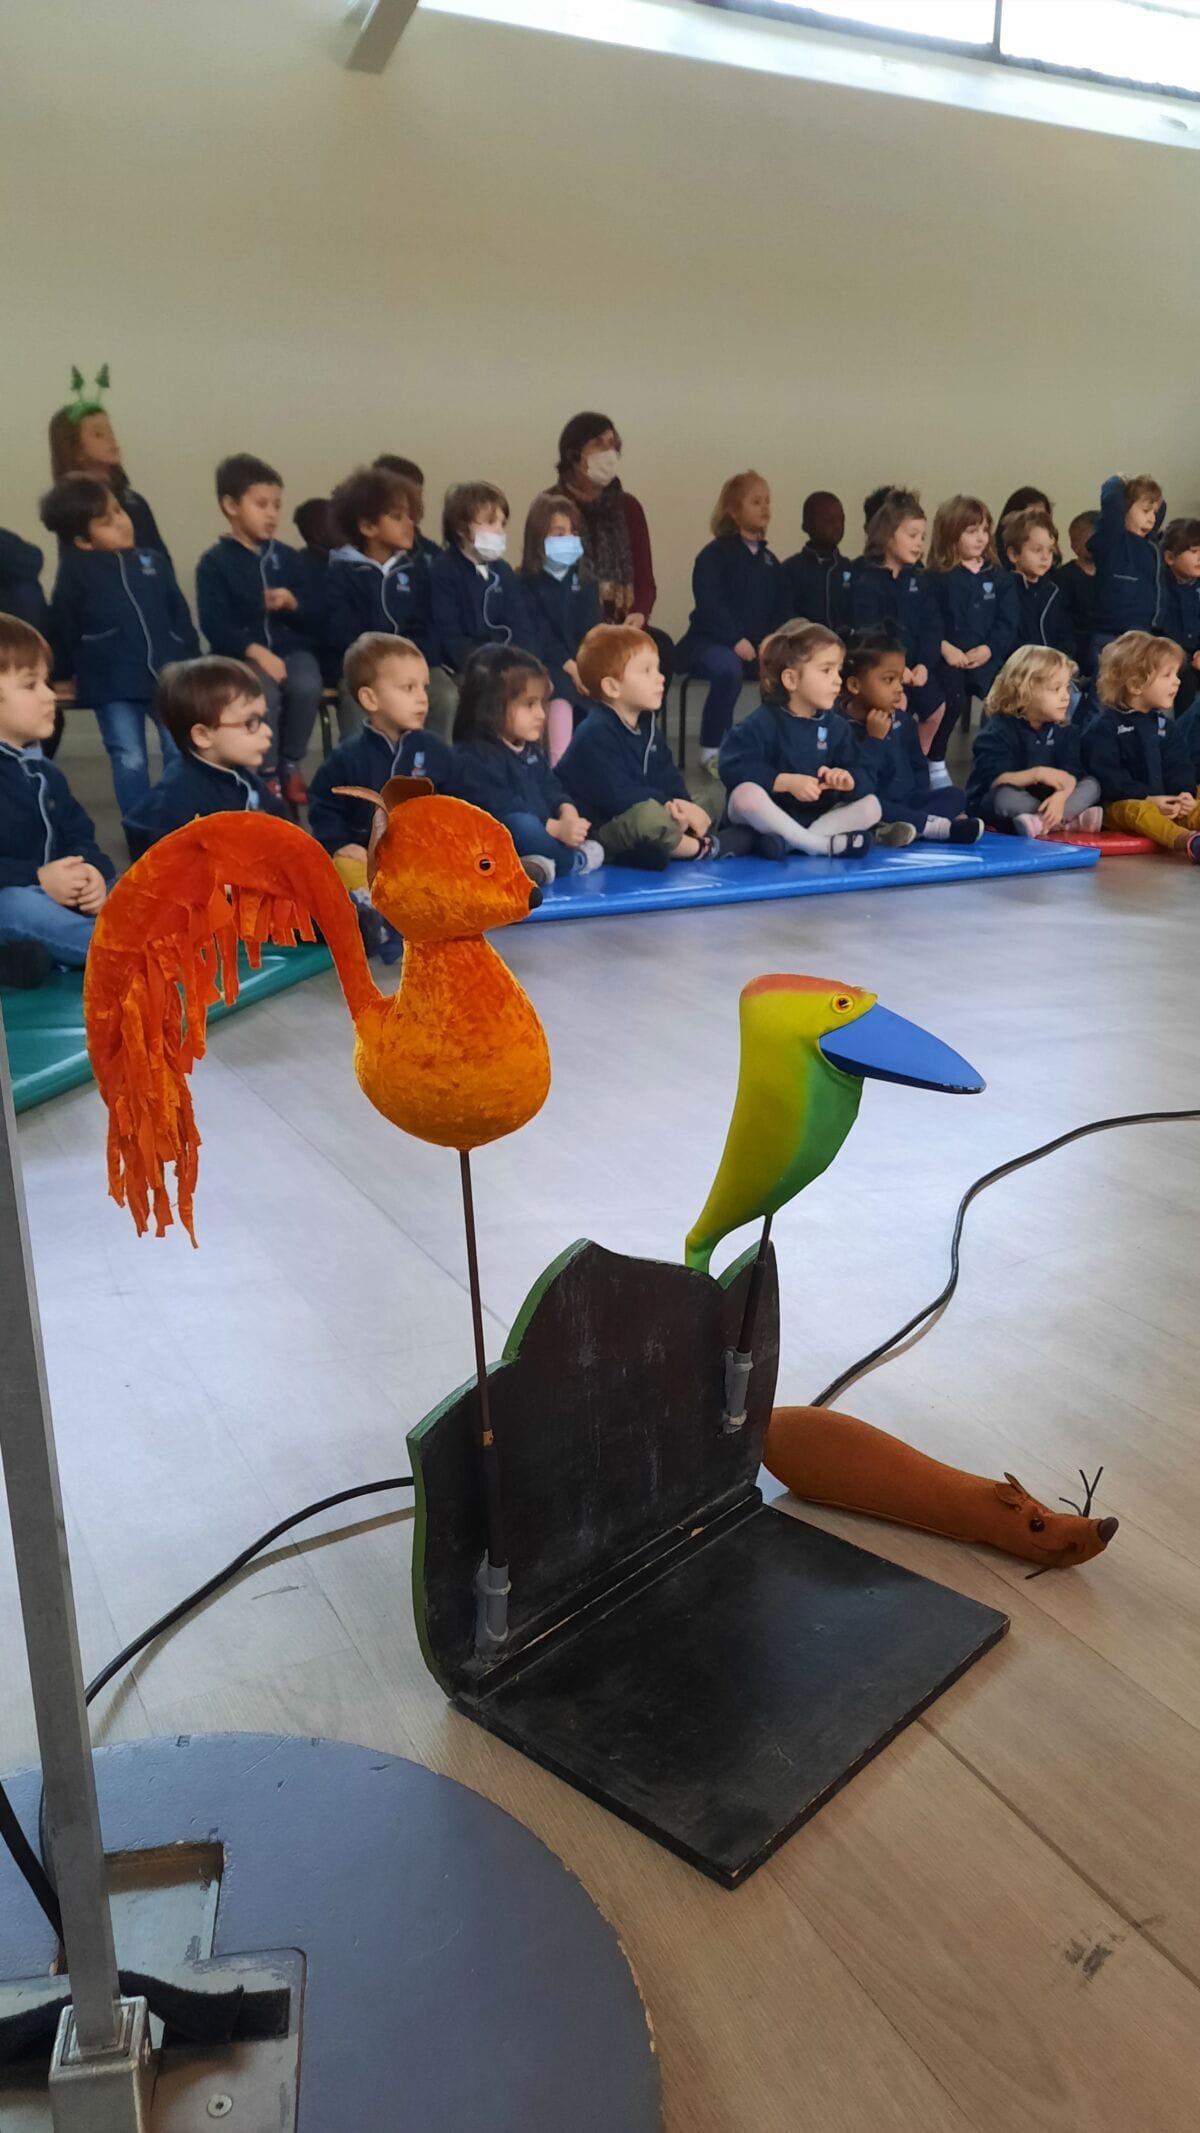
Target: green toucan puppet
point(807, 1046)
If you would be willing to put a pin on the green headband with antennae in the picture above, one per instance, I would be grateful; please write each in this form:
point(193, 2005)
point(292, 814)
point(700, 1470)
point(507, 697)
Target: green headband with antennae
point(86, 403)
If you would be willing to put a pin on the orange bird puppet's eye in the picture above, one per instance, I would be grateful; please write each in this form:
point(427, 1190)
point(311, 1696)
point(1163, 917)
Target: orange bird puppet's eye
point(486, 865)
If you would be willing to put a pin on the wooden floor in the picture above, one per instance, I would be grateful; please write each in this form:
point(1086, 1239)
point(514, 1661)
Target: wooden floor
point(997, 1926)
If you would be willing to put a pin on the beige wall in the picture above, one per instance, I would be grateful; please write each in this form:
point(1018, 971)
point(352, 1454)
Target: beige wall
point(449, 260)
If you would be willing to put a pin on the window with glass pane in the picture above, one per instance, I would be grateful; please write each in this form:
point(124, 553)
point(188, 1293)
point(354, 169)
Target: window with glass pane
point(953, 21)
point(1152, 41)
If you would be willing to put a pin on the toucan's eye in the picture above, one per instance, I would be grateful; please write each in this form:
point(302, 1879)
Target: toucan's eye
point(843, 1002)
point(486, 865)
point(1037, 1525)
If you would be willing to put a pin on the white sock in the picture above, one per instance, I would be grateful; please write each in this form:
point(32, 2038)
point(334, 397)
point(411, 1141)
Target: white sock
point(938, 774)
point(937, 829)
point(708, 758)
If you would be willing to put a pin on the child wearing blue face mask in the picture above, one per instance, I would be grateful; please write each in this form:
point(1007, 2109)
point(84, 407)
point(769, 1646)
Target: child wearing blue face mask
point(561, 606)
point(474, 594)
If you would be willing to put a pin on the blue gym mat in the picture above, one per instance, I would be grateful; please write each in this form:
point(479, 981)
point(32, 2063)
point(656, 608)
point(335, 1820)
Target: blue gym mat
point(614, 891)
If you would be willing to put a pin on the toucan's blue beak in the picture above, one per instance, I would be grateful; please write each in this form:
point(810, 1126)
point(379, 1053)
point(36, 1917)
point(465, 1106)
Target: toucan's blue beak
point(881, 1046)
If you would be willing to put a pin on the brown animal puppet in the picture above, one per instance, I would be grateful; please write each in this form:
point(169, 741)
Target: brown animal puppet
point(834, 1459)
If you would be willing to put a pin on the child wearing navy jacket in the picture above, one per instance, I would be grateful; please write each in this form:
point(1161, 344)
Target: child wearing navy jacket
point(1029, 539)
point(377, 580)
point(1077, 581)
point(741, 592)
point(387, 678)
point(476, 598)
point(977, 605)
point(1125, 553)
point(53, 876)
point(1140, 757)
point(117, 617)
point(1027, 770)
point(394, 463)
point(890, 749)
point(791, 770)
point(500, 763)
point(561, 605)
point(619, 770)
point(1178, 612)
point(815, 573)
point(887, 589)
point(214, 711)
point(249, 591)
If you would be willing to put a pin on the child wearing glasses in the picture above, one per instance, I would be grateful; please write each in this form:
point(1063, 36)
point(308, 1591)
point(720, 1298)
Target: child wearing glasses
point(216, 715)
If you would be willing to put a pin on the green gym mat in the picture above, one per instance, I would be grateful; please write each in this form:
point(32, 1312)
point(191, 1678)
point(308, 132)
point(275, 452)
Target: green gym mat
point(47, 1048)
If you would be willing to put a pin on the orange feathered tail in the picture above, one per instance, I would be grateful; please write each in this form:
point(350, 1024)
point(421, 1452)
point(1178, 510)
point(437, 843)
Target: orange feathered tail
point(168, 932)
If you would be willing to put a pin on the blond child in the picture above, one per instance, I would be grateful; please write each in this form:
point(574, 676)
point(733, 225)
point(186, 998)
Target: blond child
point(1134, 748)
point(1027, 770)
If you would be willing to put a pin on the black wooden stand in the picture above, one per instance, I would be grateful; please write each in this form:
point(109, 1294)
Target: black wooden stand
point(706, 1666)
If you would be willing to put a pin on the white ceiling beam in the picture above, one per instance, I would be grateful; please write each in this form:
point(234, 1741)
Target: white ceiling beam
point(371, 32)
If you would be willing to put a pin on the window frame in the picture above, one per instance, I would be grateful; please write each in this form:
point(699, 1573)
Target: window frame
point(991, 53)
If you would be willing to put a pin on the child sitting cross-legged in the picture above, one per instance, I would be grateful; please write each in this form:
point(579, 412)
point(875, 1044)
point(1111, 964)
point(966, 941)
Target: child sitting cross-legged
point(214, 711)
point(874, 701)
point(618, 768)
point(1027, 771)
point(791, 768)
point(387, 679)
point(53, 875)
point(1135, 749)
point(501, 764)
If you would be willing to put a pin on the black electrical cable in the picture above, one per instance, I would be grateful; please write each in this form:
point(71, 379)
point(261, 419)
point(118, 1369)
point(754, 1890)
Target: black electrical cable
point(10, 1830)
point(1002, 1170)
point(23, 1854)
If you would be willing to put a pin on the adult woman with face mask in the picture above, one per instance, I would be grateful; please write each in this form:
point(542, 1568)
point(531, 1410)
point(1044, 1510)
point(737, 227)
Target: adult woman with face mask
point(616, 536)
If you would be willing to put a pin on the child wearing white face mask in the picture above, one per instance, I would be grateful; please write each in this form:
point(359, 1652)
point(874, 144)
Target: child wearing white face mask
point(561, 606)
point(474, 594)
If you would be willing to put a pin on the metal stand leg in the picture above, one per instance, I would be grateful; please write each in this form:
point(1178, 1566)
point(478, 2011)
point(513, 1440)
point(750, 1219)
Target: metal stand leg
point(491, 1583)
point(103, 2029)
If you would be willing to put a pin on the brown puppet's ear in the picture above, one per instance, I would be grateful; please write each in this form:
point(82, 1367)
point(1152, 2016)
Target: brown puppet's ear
point(398, 790)
point(380, 822)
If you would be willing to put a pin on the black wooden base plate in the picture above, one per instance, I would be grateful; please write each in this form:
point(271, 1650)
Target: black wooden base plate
point(721, 1706)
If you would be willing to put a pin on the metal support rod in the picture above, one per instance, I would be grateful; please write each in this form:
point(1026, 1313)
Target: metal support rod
point(48, 1611)
point(492, 1620)
point(739, 1361)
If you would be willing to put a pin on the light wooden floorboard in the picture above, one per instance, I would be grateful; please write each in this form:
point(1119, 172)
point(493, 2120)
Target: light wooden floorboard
point(997, 1926)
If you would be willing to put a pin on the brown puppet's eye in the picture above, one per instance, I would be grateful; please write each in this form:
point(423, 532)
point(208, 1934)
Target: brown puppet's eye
point(1037, 1525)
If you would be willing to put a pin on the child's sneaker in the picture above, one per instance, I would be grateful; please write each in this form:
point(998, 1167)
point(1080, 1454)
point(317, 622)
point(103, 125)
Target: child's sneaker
point(1030, 825)
point(588, 856)
point(968, 829)
point(895, 834)
point(373, 928)
point(735, 841)
point(769, 846)
point(539, 869)
point(295, 791)
point(1089, 822)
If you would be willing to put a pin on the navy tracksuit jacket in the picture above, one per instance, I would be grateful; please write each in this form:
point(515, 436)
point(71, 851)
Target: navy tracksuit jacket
point(41, 820)
point(1135, 754)
point(740, 590)
point(816, 586)
point(117, 617)
point(474, 606)
point(559, 612)
point(772, 742)
point(191, 787)
point(1127, 567)
point(390, 597)
point(1007, 743)
point(1044, 614)
point(369, 759)
point(231, 580)
point(976, 607)
point(611, 767)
